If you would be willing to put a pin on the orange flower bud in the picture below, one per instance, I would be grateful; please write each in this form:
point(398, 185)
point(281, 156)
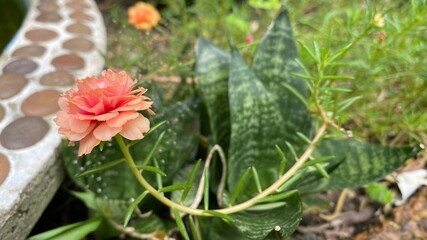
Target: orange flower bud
point(143, 16)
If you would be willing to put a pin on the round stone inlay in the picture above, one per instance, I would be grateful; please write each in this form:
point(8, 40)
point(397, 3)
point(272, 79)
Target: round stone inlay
point(79, 28)
point(23, 132)
point(48, 17)
point(81, 16)
point(41, 103)
point(68, 62)
point(4, 168)
point(78, 45)
point(47, 7)
point(57, 78)
point(1, 112)
point(11, 84)
point(77, 5)
point(20, 66)
point(40, 35)
point(29, 51)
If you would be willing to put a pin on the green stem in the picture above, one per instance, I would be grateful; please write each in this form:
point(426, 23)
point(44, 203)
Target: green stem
point(236, 208)
point(148, 187)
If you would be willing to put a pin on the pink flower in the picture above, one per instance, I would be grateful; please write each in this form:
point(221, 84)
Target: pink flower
point(249, 38)
point(102, 107)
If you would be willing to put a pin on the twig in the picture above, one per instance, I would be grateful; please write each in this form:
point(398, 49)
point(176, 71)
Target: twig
point(131, 231)
point(338, 207)
point(221, 186)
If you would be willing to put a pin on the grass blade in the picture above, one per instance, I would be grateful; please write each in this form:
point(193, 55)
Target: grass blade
point(256, 179)
point(291, 148)
point(267, 206)
point(132, 207)
point(100, 167)
point(277, 197)
point(297, 94)
point(194, 230)
point(180, 224)
point(174, 187)
point(153, 149)
point(240, 185)
point(151, 169)
point(190, 182)
point(321, 170)
point(283, 160)
point(223, 216)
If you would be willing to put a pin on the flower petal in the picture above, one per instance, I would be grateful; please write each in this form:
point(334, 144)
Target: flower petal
point(135, 128)
point(77, 125)
point(87, 144)
point(104, 132)
point(122, 118)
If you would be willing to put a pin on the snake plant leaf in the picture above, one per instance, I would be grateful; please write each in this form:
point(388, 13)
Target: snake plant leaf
point(212, 69)
point(256, 125)
point(216, 228)
point(270, 223)
point(274, 65)
point(362, 163)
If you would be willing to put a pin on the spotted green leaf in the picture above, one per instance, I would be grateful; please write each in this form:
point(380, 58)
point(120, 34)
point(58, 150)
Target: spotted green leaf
point(212, 69)
point(275, 64)
point(362, 163)
point(277, 223)
point(256, 125)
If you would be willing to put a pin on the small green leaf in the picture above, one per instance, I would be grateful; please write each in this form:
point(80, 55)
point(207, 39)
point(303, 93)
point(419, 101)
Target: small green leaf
point(153, 149)
point(317, 160)
point(256, 179)
point(321, 170)
point(267, 206)
point(132, 207)
point(158, 177)
point(292, 150)
point(73, 231)
point(88, 198)
point(337, 77)
point(175, 187)
point(193, 228)
point(151, 169)
point(292, 180)
point(180, 224)
point(240, 185)
point(379, 192)
point(308, 51)
point(297, 94)
point(304, 138)
point(278, 197)
point(101, 145)
point(347, 103)
point(100, 168)
point(282, 165)
point(190, 182)
point(155, 127)
point(223, 216)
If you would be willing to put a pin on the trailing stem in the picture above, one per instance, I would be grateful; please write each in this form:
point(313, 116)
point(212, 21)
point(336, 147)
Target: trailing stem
point(229, 210)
